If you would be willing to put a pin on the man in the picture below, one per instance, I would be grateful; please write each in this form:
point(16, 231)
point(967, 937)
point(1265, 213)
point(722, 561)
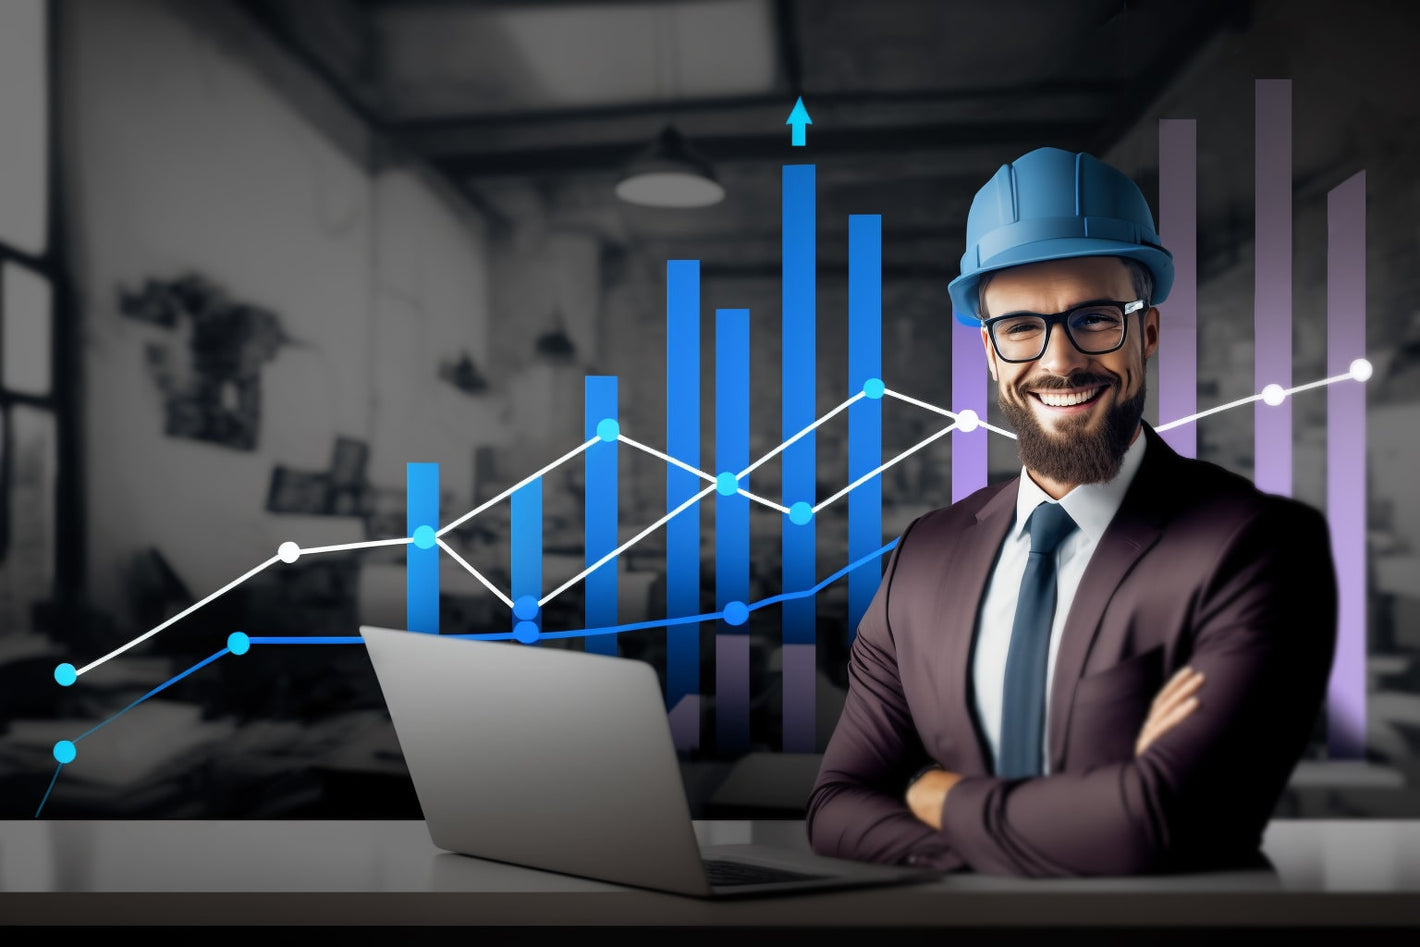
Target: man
point(1112, 663)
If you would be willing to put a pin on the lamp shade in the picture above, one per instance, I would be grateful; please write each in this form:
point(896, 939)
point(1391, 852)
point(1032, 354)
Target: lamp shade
point(669, 174)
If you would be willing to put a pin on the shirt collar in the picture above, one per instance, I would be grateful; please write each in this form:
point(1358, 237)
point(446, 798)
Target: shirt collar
point(1090, 505)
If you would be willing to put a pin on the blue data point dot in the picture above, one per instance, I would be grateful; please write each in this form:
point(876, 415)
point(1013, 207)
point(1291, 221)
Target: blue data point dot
point(526, 631)
point(736, 613)
point(424, 537)
point(64, 751)
point(800, 513)
point(727, 484)
point(874, 388)
point(526, 607)
point(608, 429)
point(65, 674)
point(238, 643)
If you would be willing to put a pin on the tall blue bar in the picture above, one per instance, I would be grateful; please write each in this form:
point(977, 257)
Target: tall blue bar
point(865, 419)
point(683, 532)
point(600, 521)
point(421, 566)
point(799, 364)
point(525, 540)
point(731, 528)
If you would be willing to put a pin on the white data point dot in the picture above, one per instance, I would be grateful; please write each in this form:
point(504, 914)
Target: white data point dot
point(1274, 395)
point(1361, 369)
point(289, 552)
point(967, 420)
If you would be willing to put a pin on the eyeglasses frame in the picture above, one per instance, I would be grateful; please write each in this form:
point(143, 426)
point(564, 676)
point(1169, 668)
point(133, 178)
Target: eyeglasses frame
point(1127, 309)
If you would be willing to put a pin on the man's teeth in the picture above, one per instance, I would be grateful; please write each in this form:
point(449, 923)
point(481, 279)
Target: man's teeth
point(1065, 401)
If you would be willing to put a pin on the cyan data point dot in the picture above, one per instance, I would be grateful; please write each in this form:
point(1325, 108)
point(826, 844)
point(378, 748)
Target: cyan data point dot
point(967, 420)
point(727, 484)
point(874, 388)
point(424, 537)
point(238, 643)
point(65, 752)
point(608, 429)
point(800, 513)
point(289, 552)
point(525, 607)
point(736, 613)
point(526, 632)
point(65, 674)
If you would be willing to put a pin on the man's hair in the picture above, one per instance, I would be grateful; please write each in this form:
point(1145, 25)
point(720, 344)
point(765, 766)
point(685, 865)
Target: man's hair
point(1138, 273)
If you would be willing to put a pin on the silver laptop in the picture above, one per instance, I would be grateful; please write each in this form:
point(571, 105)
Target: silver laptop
point(563, 761)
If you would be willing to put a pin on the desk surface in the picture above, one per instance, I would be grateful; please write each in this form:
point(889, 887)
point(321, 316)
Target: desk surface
point(1353, 873)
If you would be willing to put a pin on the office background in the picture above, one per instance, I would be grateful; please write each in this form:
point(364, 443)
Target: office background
point(258, 255)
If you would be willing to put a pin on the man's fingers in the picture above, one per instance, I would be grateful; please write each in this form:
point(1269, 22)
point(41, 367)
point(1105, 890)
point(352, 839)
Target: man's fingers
point(1159, 724)
point(1184, 680)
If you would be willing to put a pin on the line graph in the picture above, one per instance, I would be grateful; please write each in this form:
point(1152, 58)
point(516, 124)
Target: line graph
point(691, 481)
point(733, 613)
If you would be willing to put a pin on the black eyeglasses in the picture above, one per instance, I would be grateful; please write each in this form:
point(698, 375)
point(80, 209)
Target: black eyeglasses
point(1097, 327)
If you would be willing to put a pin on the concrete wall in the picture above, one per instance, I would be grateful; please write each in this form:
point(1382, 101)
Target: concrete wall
point(182, 158)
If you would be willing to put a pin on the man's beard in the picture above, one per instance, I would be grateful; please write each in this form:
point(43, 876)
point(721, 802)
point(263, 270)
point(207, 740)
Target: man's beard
point(1085, 450)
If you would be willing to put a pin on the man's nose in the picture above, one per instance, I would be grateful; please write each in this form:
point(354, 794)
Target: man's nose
point(1060, 356)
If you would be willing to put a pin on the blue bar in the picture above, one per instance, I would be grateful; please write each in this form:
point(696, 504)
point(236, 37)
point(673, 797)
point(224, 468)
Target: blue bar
point(525, 540)
point(865, 419)
point(421, 569)
point(683, 532)
point(799, 410)
point(732, 527)
point(600, 520)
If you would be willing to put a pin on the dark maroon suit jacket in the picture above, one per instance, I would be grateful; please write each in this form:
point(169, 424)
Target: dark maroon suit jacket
point(1198, 567)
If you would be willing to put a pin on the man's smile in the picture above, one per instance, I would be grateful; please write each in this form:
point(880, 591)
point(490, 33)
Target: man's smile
point(1068, 400)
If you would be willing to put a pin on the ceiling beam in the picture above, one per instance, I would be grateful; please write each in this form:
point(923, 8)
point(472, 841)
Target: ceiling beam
point(1007, 137)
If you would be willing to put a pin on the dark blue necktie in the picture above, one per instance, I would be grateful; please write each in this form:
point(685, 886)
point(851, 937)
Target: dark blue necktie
point(1023, 701)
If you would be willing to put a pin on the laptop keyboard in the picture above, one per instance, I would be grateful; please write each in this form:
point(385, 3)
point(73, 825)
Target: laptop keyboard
point(728, 873)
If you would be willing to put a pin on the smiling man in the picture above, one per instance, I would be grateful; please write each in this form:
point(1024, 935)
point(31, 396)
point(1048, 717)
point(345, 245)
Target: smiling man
point(1111, 663)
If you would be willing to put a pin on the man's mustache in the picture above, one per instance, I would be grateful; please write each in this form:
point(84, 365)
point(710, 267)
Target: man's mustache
point(1055, 382)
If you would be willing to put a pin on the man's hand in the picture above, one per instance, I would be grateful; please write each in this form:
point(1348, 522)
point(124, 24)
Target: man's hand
point(927, 794)
point(1176, 701)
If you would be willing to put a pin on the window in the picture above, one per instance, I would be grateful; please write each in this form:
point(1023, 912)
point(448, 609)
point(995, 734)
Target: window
point(33, 414)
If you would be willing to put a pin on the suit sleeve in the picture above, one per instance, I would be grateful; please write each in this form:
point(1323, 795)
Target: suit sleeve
point(857, 808)
point(1264, 636)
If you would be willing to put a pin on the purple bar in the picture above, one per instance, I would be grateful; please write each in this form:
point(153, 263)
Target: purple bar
point(1346, 462)
point(1272, 286)
point(1178, 317)
point(732, 675)
point(799, 676)
point(969, 377)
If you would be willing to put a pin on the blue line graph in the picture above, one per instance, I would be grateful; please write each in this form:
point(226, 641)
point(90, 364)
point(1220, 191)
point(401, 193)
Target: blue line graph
point(732, 612)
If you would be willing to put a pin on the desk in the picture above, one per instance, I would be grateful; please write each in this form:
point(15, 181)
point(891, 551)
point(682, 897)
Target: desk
point(1357, 874)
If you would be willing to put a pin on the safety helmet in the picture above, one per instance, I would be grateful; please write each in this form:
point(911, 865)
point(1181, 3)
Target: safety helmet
point(1050, 204)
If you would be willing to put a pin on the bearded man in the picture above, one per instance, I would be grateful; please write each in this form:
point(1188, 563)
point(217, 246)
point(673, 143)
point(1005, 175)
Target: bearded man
point(1110, 664)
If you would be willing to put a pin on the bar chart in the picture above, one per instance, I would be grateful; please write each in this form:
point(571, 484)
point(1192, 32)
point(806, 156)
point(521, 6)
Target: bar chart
point(727, 480)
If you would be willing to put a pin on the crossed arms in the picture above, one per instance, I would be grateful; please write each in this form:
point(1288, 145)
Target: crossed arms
point(1197, 793)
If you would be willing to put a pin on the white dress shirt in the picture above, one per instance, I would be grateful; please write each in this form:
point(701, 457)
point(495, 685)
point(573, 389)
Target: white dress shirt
point(1091, 506)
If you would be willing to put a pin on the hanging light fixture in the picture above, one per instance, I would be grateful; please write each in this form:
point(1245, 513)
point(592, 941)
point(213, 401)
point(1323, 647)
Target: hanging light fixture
point(669, 174)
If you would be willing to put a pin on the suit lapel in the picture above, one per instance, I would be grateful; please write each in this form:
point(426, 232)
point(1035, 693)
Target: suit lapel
point(1135, 527)
point(959, 602)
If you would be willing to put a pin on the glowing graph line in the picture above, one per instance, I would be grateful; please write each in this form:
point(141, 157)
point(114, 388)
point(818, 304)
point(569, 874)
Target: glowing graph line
point(475, 573)
point(491, 636)
point(1360, 370)
point(179, 616)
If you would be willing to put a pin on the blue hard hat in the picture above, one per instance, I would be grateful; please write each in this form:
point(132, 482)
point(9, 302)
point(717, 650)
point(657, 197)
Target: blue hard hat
point(1051, 204)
